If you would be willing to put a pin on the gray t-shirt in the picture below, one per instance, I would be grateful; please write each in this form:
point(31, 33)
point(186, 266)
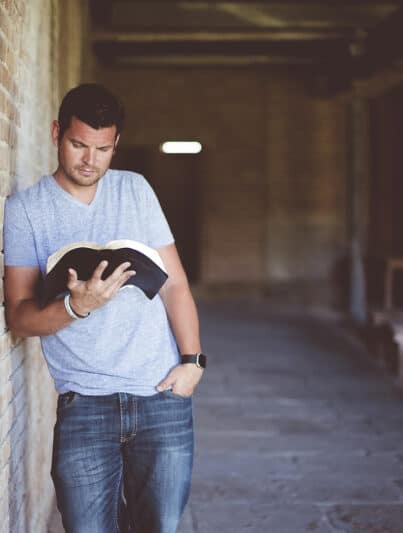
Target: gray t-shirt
point(127, 345)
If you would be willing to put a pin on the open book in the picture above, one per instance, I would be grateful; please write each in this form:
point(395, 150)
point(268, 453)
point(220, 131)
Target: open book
point(84, 257)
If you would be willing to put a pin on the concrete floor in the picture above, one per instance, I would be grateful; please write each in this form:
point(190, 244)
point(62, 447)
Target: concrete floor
point(296, 430)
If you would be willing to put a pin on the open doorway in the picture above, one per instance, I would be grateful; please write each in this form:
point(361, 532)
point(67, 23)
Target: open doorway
point(176, 179)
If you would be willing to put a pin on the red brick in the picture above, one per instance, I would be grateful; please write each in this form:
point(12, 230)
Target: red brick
point(5, 78)
point(12, 135)
point(3, 123)
point(11, 61)
point(19, 8)
point(3, 48)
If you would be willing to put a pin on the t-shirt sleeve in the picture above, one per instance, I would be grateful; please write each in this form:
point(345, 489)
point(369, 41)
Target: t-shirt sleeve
point(157, 228)
point(18, 238)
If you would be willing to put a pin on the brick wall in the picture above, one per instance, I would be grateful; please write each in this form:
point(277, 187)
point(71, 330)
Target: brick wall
point(32, 78)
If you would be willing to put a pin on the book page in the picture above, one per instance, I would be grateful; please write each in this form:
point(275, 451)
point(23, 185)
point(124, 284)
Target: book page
point(135, 245)
point(56, 256)
point(111, 245)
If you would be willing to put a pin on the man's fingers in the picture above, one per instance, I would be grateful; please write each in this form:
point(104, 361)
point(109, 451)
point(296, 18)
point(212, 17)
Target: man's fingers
point(97, 275)
point(125, 277)
point(117, 274)
point(168, 382)
point(165, 384)
point(113, 289)
point(97, 290)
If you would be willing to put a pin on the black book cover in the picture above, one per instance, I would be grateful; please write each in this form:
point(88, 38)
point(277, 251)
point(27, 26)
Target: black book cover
point(149, 276)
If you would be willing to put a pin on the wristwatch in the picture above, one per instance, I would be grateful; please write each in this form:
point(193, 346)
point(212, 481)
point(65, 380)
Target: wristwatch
point(199, 359)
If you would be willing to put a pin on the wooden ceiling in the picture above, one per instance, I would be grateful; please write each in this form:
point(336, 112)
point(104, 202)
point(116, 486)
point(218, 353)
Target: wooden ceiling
point(331, 36)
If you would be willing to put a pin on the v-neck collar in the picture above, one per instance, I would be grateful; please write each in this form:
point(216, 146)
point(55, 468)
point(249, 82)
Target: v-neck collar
point(59, 190)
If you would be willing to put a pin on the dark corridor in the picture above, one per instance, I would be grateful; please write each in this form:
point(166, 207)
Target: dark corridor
point(176, 179)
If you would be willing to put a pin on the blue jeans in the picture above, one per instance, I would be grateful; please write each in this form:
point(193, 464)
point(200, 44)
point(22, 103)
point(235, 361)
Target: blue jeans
point(122, 459)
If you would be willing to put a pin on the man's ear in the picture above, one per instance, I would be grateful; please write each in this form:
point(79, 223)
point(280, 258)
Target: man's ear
point(116, 142)
point(54, 130)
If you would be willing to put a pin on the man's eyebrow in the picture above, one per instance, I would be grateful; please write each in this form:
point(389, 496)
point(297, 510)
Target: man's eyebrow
point(106, 146)
point(77, 141)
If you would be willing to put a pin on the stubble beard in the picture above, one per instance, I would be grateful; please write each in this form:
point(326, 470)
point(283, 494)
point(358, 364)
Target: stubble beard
point(75, 177)
point(85, 181)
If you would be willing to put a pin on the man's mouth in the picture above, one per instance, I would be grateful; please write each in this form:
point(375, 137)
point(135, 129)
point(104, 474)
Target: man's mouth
point(86, 171)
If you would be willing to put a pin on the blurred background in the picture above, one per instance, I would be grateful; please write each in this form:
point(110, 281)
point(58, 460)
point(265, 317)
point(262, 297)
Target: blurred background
point(296, 196)
point(298, 107)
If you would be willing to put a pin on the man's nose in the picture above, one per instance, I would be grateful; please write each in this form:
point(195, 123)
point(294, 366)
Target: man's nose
point(89, 157)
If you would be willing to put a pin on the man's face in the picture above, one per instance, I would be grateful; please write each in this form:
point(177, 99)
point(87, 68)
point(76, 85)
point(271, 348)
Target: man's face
point(84, 152)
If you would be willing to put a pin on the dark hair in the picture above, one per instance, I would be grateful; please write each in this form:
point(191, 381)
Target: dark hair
point(93, 104)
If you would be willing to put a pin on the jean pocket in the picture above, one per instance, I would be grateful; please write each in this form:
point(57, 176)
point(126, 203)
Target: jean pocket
point(66, 399)
point(175, 395)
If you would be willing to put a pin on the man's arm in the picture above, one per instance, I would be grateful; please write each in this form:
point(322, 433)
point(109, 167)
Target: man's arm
point(182, 314)
point(24, 316)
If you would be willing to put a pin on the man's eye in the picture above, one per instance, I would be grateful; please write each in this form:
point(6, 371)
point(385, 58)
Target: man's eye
point(76, 145)
point(103, 149)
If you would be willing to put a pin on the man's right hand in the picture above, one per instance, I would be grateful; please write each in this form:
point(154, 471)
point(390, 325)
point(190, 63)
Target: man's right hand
point(86, 296)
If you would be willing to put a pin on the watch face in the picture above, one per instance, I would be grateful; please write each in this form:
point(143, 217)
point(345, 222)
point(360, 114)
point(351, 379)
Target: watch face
point(201, 360)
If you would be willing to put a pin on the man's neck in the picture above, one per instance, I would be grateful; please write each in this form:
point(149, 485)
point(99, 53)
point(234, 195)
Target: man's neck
point(84, 194)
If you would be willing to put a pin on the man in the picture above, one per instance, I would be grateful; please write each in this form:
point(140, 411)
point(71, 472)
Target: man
point(124, 418)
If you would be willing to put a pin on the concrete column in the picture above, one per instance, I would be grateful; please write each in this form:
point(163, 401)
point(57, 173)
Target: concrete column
point(358, 202)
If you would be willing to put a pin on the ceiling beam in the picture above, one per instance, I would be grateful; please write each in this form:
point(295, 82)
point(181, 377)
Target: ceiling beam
point(280, 49)
point(326, 47)
point(215, 60)
point(288, 34)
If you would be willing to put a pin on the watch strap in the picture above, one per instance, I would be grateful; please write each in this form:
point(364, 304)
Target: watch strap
point(198, 359)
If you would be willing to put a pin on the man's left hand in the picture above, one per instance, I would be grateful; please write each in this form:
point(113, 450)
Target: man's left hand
point(182, 379)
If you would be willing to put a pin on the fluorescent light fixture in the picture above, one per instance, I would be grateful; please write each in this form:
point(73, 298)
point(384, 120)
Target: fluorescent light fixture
point(181, 147)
